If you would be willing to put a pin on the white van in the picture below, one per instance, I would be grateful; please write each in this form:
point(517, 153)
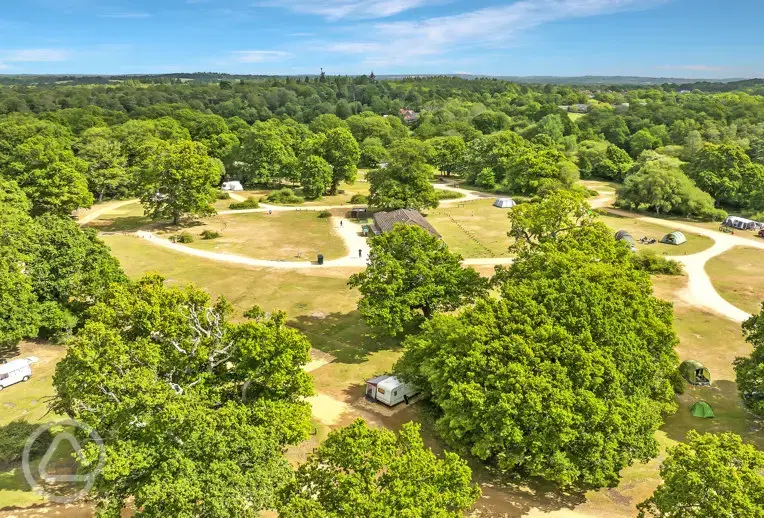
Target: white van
point(15, 371)
point(389, 390)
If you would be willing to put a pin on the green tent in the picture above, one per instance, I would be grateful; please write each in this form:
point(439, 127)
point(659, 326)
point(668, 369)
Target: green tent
point(674, 238)
point(695, 373)
point(702, 409)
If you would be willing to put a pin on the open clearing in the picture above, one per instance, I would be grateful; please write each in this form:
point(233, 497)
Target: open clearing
point(738, 276)
point(639, 229)
point(473, 228)
point(279, 236)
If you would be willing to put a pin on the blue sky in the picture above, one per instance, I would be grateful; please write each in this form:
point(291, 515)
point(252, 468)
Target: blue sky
point(677, 38)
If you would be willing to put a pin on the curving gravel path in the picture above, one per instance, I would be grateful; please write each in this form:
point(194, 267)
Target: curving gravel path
point(700, 292)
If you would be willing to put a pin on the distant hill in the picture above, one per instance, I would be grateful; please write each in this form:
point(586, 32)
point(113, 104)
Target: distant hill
point(706, 85)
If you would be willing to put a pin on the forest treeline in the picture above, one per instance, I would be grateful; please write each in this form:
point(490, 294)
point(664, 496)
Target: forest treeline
point(681, 152)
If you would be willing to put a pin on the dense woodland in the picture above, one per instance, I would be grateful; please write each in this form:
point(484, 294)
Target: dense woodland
point(676, 151)
point(562, 366)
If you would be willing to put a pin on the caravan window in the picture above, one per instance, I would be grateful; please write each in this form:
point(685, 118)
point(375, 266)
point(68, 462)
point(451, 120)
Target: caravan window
point(381, 390)
point(3, 376)
point(395, 393)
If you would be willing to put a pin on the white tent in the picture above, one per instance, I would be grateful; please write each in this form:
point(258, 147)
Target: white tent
point(742, 223)
point(232, 186)
point(504, 203)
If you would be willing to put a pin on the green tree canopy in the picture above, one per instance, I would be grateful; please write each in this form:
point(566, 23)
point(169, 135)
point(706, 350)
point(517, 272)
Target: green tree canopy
point(410, 275)
point(710, 475)
point(749, 370)
point(727, 173)
point(194, 410)
point(565, 374)
point(660, 185)
point(362, 471)
point(448, 153)
point(315, 176)
point(51, 176)
point(405, 181)
point(180, 181)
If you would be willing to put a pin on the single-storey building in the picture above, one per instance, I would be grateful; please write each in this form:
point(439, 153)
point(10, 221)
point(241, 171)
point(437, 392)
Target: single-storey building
point(504, 203)
point(742, 223)
point(389, 390)
point(384, 221)
point(232, 186)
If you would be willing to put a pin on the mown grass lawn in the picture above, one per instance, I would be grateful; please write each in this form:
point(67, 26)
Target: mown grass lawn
point(639, 229)
point(473, 228)
point(27, 402)
point(738, 276)
point(278, 236)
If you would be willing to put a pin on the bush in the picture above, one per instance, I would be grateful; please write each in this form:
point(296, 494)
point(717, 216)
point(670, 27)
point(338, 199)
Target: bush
point(183, 237)
point(650, 262)
point(447, 195)
point(249, 203)
point(222, 195)
point(284, 197)
point(324, 214)
point(359, 199)
point(210, 234)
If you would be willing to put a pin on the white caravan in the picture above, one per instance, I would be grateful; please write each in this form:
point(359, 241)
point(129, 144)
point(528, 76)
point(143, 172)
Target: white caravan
point(15, 371)
point(389, 390)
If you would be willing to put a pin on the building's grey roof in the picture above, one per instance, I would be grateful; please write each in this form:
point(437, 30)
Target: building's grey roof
point(384, 221)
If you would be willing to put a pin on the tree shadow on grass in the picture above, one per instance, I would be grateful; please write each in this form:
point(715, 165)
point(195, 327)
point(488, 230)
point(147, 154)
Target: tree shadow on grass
point(343, 335)
point(8, 351)
point(730, 414)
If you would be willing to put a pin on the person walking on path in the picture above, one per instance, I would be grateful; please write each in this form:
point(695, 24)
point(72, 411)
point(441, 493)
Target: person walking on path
point(360, 253)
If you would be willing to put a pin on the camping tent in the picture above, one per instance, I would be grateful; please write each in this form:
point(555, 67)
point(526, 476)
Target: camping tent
point(674, 238)
point(702, 409)
point(742, 223)
point(504, 203)
point(694, 372)
point(622, 235)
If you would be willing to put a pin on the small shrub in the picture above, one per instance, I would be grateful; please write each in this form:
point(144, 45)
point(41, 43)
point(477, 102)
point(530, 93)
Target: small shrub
point(284, 197)
point(324, 214)
point(210, 234)
point(249, 203)
point(222, 195)
point(653, 263)
point(447, 195)
point(183, 237)
point(359, 199)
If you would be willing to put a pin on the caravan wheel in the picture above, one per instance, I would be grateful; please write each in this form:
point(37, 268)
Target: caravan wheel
point(25, 378)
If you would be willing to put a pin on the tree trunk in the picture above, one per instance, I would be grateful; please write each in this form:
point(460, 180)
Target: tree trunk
point(175, 219)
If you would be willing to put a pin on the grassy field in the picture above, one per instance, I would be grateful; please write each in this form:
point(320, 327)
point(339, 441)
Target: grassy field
point(277, 236)
point(474, 228)
point(28, 402)
point(638, 229)
point(738, 276)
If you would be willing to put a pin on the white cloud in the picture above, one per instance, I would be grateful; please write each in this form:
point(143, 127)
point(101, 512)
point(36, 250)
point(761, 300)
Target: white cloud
point(259, 56)
point(3, 66)
point(353, 9)
point(125, 15)
point(489, 27)
point(34, 55)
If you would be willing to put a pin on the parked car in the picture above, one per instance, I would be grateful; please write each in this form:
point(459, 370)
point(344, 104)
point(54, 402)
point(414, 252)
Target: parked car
point(761, 232)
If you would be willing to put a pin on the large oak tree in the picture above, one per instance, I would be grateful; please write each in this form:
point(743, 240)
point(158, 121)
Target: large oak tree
point(194, 411)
